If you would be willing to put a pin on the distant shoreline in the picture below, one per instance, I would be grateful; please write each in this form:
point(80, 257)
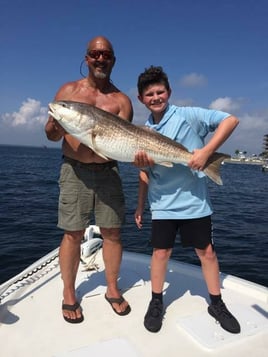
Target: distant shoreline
point(243, 162)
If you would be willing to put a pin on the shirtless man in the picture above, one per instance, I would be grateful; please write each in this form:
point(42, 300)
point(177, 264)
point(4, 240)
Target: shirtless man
point(88, 183)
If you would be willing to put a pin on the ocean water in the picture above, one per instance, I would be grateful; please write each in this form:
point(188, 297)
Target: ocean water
point(28, 214)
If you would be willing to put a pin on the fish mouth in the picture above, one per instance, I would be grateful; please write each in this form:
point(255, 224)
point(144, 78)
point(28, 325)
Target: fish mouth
point(51, 109)
point(52, 112)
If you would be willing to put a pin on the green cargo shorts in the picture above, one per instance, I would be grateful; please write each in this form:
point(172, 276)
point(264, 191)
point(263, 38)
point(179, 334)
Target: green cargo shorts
point(90, 191)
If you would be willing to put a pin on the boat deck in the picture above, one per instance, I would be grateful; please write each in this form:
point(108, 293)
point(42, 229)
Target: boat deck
point(31, 322)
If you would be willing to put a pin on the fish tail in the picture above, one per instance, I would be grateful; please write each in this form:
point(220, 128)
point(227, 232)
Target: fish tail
point(212, 169)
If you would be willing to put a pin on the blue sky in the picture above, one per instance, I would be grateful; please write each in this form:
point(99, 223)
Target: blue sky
point(214, 52)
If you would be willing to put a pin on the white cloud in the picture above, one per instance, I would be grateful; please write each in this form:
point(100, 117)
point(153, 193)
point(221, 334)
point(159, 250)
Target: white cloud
point(193, 80)
point(254, 121)
point(30, 115)
point(249, 134)
point(225, 104)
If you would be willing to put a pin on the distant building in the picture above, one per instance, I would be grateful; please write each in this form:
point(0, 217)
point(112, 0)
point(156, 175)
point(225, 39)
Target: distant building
point(241, 155)
point(265, 145)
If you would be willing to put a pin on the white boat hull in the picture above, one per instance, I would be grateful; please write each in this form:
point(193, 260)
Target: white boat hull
point(31, 322)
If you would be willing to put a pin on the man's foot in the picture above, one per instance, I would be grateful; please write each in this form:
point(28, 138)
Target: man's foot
point(121, 302)
point(227, 321)
point(154, 316)
point(76, 315)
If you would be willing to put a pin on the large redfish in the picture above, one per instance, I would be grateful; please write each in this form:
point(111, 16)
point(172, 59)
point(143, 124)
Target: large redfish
point(112, 137)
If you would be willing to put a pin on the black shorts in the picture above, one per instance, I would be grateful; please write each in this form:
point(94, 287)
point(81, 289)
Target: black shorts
point(195, 232)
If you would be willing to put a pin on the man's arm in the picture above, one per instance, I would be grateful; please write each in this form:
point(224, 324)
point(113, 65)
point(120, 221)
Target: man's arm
point(53, 129)
point(126, 109)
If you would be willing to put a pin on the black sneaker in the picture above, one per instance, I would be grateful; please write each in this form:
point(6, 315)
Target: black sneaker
point(154, 316)
point(227, 321)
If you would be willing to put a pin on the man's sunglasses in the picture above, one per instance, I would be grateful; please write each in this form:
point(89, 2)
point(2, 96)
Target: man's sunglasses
point(107, 55)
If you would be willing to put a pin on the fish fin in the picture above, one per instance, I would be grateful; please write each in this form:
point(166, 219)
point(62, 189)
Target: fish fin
point(101, 155)
point(166, 164)
point(212, 169)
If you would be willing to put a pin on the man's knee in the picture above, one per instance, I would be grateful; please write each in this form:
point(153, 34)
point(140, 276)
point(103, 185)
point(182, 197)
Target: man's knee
point(74, 237)
point(110, 234)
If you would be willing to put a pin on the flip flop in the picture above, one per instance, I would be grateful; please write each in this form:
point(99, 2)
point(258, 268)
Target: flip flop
point(73, 307)
point(118, 301)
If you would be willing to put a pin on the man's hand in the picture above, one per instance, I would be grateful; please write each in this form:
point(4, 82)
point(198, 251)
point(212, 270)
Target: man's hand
point(54, 130)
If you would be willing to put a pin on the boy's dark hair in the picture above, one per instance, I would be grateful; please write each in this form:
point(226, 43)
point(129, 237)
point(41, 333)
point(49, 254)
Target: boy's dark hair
point(152, 75)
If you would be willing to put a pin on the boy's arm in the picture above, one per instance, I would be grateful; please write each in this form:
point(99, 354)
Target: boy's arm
point(222, 133)
point(142, 195)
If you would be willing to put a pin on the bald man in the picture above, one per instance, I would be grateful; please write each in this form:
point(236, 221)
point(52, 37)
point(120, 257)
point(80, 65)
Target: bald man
point(88, 183)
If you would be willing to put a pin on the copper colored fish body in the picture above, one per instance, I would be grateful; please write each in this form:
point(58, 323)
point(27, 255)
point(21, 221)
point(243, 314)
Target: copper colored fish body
point(112, 137)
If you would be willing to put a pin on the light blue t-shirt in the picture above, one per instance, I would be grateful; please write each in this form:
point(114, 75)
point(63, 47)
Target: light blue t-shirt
point(178, 192)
